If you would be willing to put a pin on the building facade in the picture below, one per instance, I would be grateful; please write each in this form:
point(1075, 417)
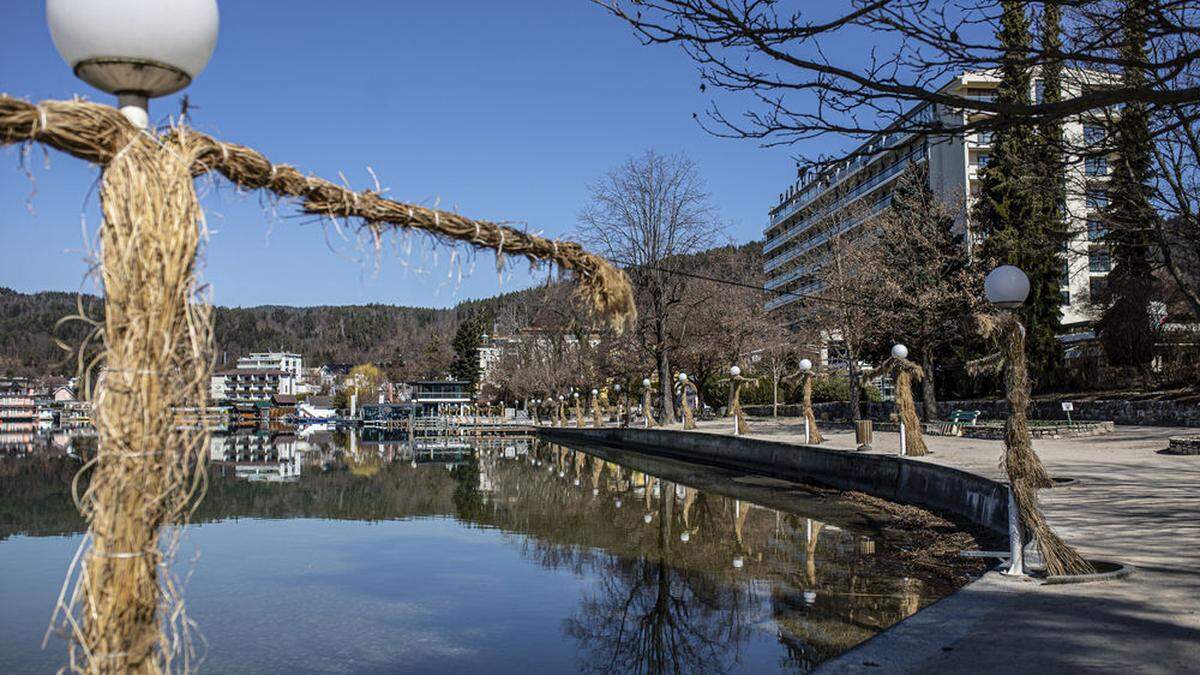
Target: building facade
point(818, 207)
point(245, 384)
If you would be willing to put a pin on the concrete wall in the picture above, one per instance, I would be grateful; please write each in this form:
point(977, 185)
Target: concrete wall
point(1147, 413)
point(940, 488)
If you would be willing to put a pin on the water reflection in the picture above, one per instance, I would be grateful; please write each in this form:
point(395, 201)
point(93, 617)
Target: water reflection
point(684, 568)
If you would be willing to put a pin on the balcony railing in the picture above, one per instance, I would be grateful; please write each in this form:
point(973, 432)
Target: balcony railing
point(868, 185)
point(877, 206)
point(885, 142)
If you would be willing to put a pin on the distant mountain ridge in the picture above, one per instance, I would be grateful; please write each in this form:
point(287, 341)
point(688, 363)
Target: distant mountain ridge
point(408, 341)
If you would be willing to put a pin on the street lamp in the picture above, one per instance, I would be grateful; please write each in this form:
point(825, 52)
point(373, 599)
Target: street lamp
point(899, 351)
point(1006, 287)
point(805, 365)
point(136, 49)
point(734, 371)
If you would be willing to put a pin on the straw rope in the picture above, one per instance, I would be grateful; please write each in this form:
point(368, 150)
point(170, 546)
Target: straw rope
point(806, 383)
point(93, 132)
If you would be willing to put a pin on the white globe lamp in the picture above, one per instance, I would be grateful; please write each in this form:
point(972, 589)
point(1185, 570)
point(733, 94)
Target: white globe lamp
point(805, 365)
point(646, 383)
point(683, 377)
point(1006, 287)
point(899, 351)
point(136, 49)
point(735, 371)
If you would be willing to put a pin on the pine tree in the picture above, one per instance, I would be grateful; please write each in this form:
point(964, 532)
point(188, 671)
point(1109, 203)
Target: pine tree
point(467, 341)
point(1011, 213)
point(1126, 328)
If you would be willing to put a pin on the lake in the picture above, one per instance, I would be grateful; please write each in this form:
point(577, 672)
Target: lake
point(335, 553)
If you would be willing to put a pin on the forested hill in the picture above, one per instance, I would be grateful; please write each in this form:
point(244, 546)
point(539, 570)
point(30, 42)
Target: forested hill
point(409, 342)
point(384, 334)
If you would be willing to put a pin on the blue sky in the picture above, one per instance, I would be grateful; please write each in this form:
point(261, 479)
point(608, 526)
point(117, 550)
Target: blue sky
point(499, 110)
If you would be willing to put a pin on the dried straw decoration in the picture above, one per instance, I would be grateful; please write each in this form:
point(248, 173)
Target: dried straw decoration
point(93, 132)
point(689, 419)
point(904, 372)
point(806, 380)
point(648, 408)
point(735, 405)
point(597, 415)
point(1026, 473)
point(578, 414)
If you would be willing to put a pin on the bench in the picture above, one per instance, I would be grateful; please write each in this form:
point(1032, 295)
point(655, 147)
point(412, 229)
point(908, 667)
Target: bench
point(956, 420)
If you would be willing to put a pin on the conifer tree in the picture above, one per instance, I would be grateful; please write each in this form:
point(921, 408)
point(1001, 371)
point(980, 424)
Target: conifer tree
point(1010, 214)
point(1126, 328)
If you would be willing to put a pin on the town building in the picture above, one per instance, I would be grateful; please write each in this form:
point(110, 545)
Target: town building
point(246, 384)
point(819, 206)
point(430, 396)
point(288, 362)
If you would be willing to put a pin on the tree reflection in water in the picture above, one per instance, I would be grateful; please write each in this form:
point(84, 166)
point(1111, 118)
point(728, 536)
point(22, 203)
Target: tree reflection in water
point(648, 616)
point(684, 577)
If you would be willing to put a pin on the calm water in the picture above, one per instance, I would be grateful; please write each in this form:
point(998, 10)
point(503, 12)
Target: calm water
point(330, 554)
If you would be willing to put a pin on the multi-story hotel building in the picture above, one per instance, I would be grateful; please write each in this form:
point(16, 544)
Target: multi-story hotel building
point(817, 207)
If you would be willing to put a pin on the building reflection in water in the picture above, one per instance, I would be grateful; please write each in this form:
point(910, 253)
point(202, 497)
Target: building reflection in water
point(684, 577)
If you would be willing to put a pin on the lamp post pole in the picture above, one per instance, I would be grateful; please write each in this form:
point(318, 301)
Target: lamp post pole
point(157, 335)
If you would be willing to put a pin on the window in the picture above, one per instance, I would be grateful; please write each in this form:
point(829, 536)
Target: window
point(1097, 289)
point(1064, 297)
point(1093, 134)
point(1039, 91)
point(1099, 259)
point(1096, 166)
point(1096, 229)
point(1097, 200)
point(984, 137)
point(1064, 279)
point(981, 160)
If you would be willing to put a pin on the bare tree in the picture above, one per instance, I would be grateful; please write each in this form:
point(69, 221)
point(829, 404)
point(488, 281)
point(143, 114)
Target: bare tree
point(776, 59)
point(642, 216)
point(921, 273)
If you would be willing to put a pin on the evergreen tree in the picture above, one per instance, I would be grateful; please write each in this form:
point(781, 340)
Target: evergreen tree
point(1126, 328)
point(1011, 214)
point(467, 341)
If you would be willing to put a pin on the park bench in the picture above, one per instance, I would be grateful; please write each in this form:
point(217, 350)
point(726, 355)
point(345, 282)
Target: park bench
point(957, 419)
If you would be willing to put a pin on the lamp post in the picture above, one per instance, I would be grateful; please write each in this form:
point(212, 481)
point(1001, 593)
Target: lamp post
point(648, 404)
point(811, 433)
point(597, 418)
point(156, 336)
point(900, 353)
point(136, 49)
point(622, 409)
point(689, 420)
point(1006, 287)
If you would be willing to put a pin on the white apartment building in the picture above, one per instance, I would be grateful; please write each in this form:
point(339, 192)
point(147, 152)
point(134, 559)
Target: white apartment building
point(806, 218)
point(247, 384)
point(285, 361)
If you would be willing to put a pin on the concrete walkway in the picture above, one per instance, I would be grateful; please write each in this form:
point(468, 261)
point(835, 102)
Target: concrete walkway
point(1131, 504)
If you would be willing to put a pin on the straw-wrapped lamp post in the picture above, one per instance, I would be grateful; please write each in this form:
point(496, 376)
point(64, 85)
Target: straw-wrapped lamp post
point(812, 433)
point(1006, 288)
point(903, 372)
point(648, 404)
point(120, 606)
point(689, 419)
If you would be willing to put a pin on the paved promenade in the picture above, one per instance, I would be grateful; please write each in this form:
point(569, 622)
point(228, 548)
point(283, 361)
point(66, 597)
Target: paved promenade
point(1131, 504)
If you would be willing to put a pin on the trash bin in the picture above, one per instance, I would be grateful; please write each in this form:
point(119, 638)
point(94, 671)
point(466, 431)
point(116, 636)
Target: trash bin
point(862, 434)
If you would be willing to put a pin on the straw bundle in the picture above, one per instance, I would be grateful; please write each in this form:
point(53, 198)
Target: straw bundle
point(1026, 473)
point(578, 413)
point(904, 372)
point(806, 380)
point(689, 419)
point(648, 408)
point(597, 416)
point(735, 406)
point(91, 131)
point(124, 613)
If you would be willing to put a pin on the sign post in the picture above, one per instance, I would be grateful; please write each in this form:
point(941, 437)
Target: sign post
point(1067, 407)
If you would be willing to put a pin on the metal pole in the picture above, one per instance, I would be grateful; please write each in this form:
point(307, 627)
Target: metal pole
point(1016, 540)
point(903, 444)
point(807, 431)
